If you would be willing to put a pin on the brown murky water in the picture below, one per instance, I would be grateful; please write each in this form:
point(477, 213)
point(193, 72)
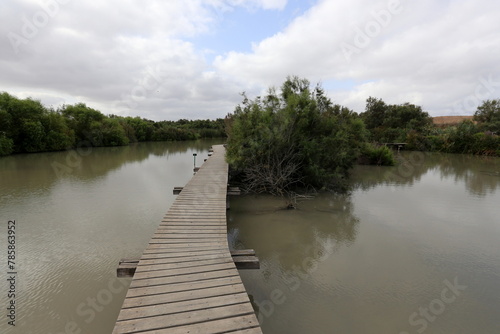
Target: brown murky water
point(412, 249)
point(77, 214)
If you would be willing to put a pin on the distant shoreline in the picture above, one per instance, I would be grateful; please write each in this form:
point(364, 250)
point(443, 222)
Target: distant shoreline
point(450, 120)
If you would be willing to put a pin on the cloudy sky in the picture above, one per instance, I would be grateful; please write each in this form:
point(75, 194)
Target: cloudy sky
point(171, 59)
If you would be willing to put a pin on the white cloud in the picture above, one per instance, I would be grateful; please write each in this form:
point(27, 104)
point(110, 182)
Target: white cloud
point(140, 58)
point(432, 53)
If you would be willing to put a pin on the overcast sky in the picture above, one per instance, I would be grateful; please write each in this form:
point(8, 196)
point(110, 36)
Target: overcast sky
point(172, 59)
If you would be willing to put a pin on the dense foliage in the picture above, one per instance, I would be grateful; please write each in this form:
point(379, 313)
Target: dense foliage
point(376, 155)
point(479, 137)
point(488, 116)
point(295, 137)
point(465, 137)
point(391, 123)
point(28, 126)
point(407, 123)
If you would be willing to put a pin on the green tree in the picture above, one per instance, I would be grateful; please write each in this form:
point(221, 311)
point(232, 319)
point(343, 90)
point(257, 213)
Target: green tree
point(23, 117)
point(374, 114)
point(112, 133)
point(33, 136)
point(84, 121)
point(392, 123)
point(488, 115)
point(296, 137)
point(6, 145)
point(58, 135)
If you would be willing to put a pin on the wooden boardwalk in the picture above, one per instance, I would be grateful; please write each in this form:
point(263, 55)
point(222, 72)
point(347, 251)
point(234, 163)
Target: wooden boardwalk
point(186, 281)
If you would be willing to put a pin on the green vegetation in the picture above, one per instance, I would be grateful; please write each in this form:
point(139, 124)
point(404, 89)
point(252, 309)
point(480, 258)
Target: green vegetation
point(376, 155)
point(488, 116)
point(465, 137)
point(392, 123)
point(298, 138)
point(28, 126)
point(407, 123)
point(480, 137)
point(293, 138)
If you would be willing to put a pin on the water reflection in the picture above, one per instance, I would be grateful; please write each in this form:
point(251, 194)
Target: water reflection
point(287, 236)
point(73, 229)
point(364, 262)
point(480, 175)
point(36, 173)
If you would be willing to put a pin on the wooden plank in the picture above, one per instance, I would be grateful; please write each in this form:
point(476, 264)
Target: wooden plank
point(140, 274)
point(234, 324)
point(190, 244)
point(183, 295)
point(161, 289)
point(191, 229)
point(182, 264)
point(182, 278)
point(246, 262)
point(191, 317)
point(129, 260)
point(193, 242)
point(183, 234)
point(159, 248)
point(242, 252)
point(195, 254)
point(243, 259)
point(126, 270)
point(184, 306)
point(192, 259)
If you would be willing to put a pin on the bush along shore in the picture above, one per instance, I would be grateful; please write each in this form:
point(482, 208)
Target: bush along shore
point(27, 126)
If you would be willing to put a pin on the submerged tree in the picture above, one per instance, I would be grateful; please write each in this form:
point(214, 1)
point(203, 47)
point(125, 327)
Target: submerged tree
point(293, 138)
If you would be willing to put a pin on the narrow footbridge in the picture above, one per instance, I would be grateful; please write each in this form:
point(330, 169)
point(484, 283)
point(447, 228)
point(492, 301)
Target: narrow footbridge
point(186, 280)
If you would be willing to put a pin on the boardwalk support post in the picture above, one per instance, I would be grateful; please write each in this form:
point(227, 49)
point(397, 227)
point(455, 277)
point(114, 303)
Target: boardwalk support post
point(243, 259)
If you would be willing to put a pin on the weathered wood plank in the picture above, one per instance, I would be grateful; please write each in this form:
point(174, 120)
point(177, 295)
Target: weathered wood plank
point(183, 295)
point(126, 270)
point(242, 252)
point(188, 318)
point(234, 324)
point(184, 306)
point(190, 286)
point(242, 262)
point(183, 234)
point(159, 248)
point(193, 259)
point(246, 262)
point(181, 265)
point(140, 274)
point(182, 278)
